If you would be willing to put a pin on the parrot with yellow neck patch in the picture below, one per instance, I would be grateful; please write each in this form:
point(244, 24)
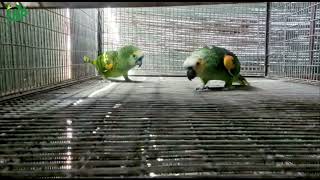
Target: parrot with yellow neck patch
point(117, 63)
point(214, 63)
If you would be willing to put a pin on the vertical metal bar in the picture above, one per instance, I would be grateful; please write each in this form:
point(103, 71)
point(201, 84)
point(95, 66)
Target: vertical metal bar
point(41, 63)
point(8, 57)
point(74, 43)
point(33, 69)
point(27, 55)
point(51, 52)
point(312, 30)
point(64, 47)
point(266, 62)
point(13, 54)
point(99, 32)
point(2, 67)
point(19, 63)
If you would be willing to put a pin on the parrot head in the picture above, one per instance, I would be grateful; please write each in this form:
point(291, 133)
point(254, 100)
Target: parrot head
point(195, 63)
point(133, 54)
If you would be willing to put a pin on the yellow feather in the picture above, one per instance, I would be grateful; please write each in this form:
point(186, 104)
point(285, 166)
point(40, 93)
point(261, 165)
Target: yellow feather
point(109, 66)
point(228, 62)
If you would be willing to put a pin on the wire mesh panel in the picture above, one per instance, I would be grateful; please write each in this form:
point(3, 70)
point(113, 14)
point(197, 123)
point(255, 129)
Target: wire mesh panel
point(169, 34)
point(83, 40)
point(45, 48)
point(294, 40)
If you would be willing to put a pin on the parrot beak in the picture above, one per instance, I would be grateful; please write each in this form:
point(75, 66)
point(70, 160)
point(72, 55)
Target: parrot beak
point(191, 74)
point(139, 61)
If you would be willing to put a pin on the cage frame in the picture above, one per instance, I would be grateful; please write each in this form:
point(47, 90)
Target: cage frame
point(98, 5)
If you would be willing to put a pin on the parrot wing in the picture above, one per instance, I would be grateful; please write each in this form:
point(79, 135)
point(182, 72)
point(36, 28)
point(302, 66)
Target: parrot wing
point(229, 63)
point(223, 58)
point(103, 63)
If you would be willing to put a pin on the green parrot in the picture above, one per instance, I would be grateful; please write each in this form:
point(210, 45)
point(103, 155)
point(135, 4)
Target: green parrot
point(117, 63)
point(214, 63)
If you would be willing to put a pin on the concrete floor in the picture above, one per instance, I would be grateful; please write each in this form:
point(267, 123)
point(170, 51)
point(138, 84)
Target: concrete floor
point(161, 126)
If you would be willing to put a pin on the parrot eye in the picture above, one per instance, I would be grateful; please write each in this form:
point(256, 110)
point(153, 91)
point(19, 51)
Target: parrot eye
point(134, 56)
point(198, 63)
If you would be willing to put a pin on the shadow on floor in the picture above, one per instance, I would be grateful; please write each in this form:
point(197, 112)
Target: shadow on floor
point(237, 88)
point(123, 81)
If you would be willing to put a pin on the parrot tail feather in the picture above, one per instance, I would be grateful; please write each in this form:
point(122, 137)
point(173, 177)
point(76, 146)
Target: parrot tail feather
point(243, 80)
point(87, 59)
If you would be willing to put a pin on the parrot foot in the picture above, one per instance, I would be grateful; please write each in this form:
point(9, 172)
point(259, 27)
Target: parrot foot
point(203, 88)
point(228, 88)
point(126, 78)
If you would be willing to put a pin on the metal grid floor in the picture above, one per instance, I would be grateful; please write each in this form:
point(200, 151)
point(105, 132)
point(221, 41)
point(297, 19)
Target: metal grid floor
point(161, 127)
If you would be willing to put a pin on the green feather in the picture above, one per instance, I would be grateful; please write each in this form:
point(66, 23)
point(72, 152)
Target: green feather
point(214, 68)
point(122, 61)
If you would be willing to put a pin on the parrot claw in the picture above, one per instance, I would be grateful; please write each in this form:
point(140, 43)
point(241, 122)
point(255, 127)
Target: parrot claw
point(228, 88)
point(126, 78)
point(204, 88)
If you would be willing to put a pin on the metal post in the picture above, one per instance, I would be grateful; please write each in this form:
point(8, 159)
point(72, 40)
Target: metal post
point(266, 63)
point(99, 32)
point(312, 29)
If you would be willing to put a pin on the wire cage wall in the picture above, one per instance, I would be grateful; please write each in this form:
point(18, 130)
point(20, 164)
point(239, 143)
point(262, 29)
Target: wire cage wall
point(46, 48)
point(160, 126)
point(294, 40)
point(169, 34)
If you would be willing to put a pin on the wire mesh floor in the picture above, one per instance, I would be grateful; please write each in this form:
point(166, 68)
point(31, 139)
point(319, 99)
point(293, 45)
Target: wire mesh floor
point(161, 127)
